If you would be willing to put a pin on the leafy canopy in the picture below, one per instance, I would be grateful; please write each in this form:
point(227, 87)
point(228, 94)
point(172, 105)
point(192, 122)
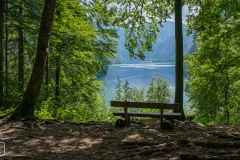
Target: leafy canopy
point(214, 68)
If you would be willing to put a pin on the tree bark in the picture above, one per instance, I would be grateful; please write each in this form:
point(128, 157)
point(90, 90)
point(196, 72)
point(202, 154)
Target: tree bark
point(6, 55)
point(21, 56)
point(1, 53)
point(179, 55)
point(47, 77)
point(57, 87)
point(26, 108)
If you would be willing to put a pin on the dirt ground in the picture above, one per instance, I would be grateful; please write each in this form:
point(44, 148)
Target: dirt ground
point(143, 140)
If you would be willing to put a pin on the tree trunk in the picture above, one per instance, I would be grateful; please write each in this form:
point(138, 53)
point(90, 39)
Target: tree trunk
point(47, 77)
point(26, 108)
point(57, 87)
point(6, 56)
point(1, 53)
point(57, 78)
point(179, 55)
point(21, 57)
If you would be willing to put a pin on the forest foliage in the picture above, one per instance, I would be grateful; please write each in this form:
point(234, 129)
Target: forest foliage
point(213, 70)
point(82, 41)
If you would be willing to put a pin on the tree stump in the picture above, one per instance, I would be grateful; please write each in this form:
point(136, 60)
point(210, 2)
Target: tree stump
point(168, 124)
point(121, 122)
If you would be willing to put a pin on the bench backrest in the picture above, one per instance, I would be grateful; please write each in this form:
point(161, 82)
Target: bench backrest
point(151, 105)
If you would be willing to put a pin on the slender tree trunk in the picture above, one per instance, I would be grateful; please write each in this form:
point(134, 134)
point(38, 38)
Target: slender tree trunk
point(179, 55)
point(57, 80)
point(26, 108)
point(1, 53)
point(57, 87)
point(6, 55)
point(21, 56)
point(46, 77)
point(226, 88)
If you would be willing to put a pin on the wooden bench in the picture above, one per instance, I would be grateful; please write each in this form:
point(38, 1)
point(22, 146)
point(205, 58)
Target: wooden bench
point(161, 106)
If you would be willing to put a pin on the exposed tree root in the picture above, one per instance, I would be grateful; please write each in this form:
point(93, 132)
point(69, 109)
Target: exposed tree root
point(209, 144)
point(234, 144)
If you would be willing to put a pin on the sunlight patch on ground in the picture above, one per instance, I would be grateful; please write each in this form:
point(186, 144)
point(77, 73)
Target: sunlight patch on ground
point(9, 153)
point(75, 133)
point(39, 149)
point(68, 144)
point(62, 148)
point(33, 142)
point(69, 140)
point(88, 143)
point(11, 128)
point(133, 137)
point(8, 130)
point(17, 141)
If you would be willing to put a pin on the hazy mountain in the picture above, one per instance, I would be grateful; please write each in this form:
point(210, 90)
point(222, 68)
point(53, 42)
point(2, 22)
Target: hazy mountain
point(163, 49)
point(193, 48)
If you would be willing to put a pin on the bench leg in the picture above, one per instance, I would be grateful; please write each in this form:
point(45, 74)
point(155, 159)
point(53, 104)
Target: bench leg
point(128, 120)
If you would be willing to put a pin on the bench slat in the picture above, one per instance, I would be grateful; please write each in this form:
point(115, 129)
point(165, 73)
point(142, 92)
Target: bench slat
point(174, 106)
point(150, 114)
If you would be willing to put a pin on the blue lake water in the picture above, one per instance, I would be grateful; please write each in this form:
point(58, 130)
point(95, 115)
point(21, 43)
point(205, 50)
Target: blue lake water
point(139, 75)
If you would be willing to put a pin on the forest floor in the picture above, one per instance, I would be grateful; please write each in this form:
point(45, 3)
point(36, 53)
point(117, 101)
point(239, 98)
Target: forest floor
point(143, 140)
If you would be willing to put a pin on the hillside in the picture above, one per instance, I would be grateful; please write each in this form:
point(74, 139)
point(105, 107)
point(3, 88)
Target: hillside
point(64, 140)
point(163, 49)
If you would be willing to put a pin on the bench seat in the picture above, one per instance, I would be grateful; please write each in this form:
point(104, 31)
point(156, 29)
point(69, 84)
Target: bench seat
point(150, 114)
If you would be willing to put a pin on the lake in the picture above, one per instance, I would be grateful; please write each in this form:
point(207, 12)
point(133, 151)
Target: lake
point(139, 75)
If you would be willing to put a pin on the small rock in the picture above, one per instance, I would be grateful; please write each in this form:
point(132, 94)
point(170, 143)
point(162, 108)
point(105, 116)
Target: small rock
point(139, 122)
point(187, 122)
point(222, 152)
point(157, 128)
point(150, 139)
point(162, 135)
point(199, 128)
point(146, 147)
point(108, 129)
point(130, 129)
point(166, 149)
point(200, 124)
point(232, 156)
point(98, 126)
point(151, 131)
point(175, 158)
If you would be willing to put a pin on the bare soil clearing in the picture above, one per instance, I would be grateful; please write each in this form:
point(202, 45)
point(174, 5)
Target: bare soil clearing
point(143, 140)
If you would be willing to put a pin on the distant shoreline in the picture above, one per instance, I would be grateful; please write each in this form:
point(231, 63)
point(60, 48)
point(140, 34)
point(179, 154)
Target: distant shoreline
point(150, 61)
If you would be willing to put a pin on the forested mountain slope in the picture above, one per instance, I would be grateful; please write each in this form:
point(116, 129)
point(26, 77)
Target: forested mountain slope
point(163, 49)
